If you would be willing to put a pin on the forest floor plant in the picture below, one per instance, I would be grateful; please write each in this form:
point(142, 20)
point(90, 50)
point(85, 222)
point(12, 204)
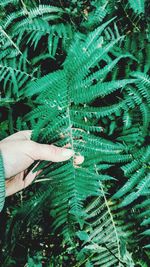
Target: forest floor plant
point(77, 72)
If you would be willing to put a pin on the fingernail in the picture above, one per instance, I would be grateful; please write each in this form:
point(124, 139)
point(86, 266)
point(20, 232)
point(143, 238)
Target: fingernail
point(68, 152)
point(79, 159)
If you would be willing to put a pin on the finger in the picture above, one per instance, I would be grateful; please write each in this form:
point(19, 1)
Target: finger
point(29, 178)
point(21, 135)
point(51, 153)
point(67, 145)
point(78, 160)
point(14, 184)
point(17, 183)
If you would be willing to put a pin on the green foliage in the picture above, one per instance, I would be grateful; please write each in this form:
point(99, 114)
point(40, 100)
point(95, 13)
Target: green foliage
point(77, 73)
point(138, 6)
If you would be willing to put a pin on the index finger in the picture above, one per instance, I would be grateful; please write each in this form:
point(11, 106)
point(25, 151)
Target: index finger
point(21, 135)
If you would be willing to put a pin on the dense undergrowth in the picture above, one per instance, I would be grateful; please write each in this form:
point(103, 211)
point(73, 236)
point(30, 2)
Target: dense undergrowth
point(78, 72)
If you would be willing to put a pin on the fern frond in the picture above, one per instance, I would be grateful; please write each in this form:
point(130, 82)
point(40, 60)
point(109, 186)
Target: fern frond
point(140, 189)
point(14, 76)
point(96, 101)
point(143, 83)
point(142, 77)
point(100, 90)
point(138, 6)
point(101, 240)
point(95, 17)
point(99, 112)
point(131, 183)
point(42, 85)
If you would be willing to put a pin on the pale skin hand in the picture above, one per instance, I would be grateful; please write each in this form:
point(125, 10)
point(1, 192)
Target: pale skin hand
point(19, 152)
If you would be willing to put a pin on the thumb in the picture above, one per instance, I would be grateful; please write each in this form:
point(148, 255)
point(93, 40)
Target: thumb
point(51, 153)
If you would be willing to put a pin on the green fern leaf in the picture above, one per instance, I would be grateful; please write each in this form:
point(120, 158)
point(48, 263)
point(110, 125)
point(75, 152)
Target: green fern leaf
point(138, 6)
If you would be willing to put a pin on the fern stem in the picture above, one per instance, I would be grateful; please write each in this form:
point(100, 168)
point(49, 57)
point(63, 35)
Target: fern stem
point(72, 146)
point(70, 129)
point(25, 8)
point(132, 22)
point(11, 41)
point(113, 223)
point(119, 260)
point(84, 261)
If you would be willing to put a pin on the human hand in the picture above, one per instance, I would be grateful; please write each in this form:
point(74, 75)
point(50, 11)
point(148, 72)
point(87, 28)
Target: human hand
point(19, 152)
